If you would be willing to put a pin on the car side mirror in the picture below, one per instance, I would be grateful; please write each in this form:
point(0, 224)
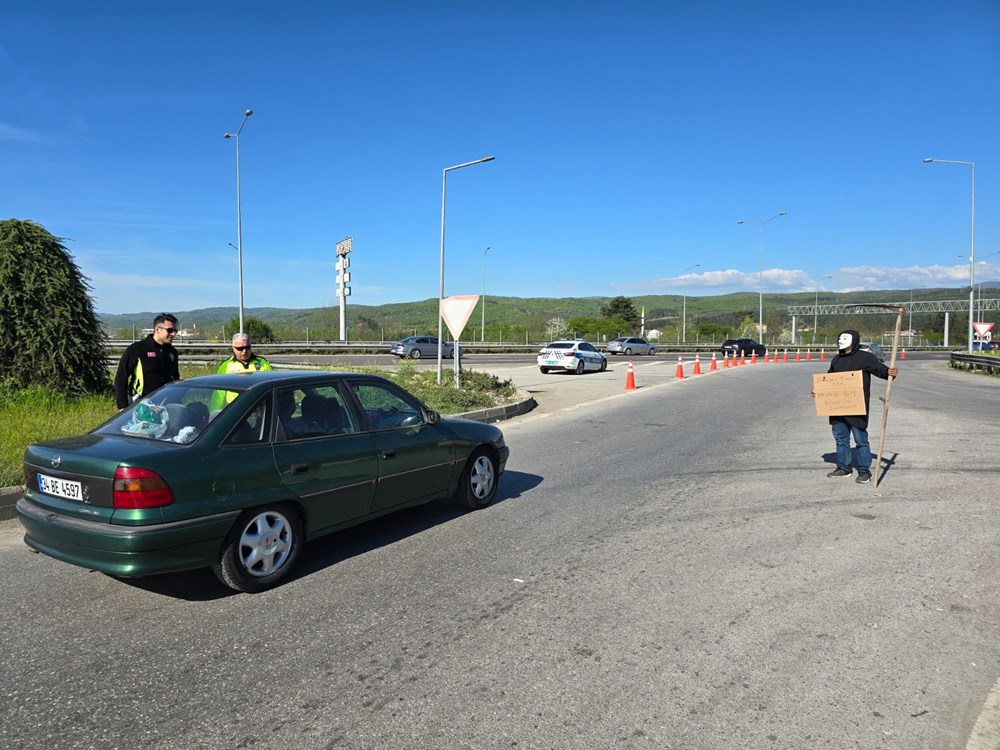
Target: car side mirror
point(431, 416)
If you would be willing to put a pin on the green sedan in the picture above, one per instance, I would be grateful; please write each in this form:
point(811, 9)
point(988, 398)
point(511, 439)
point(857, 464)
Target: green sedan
point(236, 472)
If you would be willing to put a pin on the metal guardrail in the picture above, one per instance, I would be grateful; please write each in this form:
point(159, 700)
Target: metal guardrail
point(976, 362)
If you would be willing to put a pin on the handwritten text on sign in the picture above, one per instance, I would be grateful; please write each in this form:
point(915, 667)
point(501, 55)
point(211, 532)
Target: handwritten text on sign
point(839, 394)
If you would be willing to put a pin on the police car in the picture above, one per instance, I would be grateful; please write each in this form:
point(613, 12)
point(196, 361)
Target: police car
point(571, 356)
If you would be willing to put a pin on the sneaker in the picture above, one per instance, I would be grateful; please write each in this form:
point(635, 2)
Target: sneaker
point(864, 477)
point(840, 472)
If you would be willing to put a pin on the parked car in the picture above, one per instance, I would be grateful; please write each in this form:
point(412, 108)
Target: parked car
point(629, 345)
point(744, 346)
point(415, 347)
point(236, 472)
point(573, 356)
point(871, 346)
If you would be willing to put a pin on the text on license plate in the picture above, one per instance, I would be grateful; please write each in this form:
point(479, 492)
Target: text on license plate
point(60, 487)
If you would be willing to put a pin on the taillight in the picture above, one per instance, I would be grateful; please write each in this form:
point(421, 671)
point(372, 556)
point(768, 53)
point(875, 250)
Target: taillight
point(140, 488)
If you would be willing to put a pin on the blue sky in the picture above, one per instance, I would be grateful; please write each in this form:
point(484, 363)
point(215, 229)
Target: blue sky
point(630, 137)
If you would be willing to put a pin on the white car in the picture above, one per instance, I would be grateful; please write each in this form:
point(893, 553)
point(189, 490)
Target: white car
point(571, 356)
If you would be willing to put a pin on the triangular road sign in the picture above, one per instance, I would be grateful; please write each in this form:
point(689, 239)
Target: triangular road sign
point(982, 328)
point(456, 312)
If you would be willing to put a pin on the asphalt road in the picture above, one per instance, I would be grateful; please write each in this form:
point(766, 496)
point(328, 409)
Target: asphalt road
point(664, 568)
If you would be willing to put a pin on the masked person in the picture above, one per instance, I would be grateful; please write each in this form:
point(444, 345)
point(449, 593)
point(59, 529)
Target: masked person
point(849, 358)
point(243, 358)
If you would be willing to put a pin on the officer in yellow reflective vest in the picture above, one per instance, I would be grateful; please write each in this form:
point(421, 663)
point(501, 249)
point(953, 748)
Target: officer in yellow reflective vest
point(243, 359)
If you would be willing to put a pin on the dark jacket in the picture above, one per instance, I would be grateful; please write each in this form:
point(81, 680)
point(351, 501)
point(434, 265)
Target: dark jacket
point(143, 368)
point(868, 364)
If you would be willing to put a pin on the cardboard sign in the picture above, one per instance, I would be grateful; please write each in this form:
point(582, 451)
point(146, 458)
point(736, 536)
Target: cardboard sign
point(839, 394)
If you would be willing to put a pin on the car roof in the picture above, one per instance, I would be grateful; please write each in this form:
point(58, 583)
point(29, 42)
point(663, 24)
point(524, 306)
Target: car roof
point(263, 380)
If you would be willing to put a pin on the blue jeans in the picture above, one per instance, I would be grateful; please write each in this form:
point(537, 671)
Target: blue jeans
point(842, 435)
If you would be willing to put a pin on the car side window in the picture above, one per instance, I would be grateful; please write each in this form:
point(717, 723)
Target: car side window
point(587, 347)
point(255, 427)
point(314, 412)
point(386, 408)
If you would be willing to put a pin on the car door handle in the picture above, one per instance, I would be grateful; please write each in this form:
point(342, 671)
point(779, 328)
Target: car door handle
point(300, 468)
point(389, 453)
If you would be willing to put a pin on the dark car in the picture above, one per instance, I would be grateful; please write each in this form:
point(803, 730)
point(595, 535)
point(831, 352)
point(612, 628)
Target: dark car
point(236, 472)
point(743, 346)
point(415, 347)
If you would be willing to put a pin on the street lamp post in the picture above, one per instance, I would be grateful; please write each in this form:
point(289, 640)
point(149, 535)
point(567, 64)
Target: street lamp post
point(482, 329)
point(684, 306)
point(444, 191)
point(972, 238)
point(816, 309)
point(239, 215)
point(761, 224)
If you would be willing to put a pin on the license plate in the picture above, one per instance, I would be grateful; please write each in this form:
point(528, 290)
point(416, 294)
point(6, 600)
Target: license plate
point(552, 362)
point(66, 488)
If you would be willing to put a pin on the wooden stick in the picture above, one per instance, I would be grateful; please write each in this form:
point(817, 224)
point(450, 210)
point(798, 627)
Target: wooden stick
point(888, 391)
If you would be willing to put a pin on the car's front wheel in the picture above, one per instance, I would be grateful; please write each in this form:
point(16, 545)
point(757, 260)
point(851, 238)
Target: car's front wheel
point(652, 351)
point(414, 354)
point(261, 549)
point(478, 485)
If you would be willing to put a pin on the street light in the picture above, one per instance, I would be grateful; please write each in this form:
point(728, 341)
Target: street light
point(444, 190)
point(239, 216)
point(761, 224)
point(684, 314)
point(816, 309)
point(482, 330)
point(972, 240)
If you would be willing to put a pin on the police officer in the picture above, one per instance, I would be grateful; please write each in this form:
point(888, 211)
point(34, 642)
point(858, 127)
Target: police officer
point(148, 363)
point(243, 359)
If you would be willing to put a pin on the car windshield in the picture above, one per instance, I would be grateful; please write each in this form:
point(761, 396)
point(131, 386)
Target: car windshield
point(177, 413)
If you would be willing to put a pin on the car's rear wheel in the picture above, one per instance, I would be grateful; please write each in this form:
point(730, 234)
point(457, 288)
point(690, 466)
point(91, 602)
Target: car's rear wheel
point(544, 370)
point(414, 354)
point(580, 367)
point(261, 549)
point(478, 485)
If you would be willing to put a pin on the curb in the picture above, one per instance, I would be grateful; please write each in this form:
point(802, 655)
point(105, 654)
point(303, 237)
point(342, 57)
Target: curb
point(8, 499)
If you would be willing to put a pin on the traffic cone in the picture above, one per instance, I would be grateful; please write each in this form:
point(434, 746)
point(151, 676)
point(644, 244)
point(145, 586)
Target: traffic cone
point(798, 355)
point(822, 355)
point(753, 357)
point(903, 354)
point(785, 358)
point(809, 356)
point(713, 367)
point(680, 368)
point(725, 360)
point(697, 366)
point(743, 358)
point(630, 378)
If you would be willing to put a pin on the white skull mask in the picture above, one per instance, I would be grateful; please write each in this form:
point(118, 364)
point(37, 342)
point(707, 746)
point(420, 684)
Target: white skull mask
point(844, 341)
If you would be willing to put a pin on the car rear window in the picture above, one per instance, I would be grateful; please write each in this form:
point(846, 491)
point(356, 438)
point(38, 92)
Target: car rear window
point(560, 345)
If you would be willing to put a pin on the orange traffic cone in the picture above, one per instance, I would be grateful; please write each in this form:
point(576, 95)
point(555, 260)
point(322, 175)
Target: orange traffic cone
point(680, 368)
point(753, 357)
point(785, 358)
point(822, 355)
point(697, 366)
point(809, 356)
point(725, 361)
point(630, 378)
point(743, 358)
point(903, 354)
point(713, 367)
point(798, 355)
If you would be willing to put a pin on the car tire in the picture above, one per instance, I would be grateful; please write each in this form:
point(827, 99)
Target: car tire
point(414, 354)
point(478, 484)
point(652, 351)
point(261, 549)
point(580, 367)
point(628, 351)
point(604, 365)
point(544, 370)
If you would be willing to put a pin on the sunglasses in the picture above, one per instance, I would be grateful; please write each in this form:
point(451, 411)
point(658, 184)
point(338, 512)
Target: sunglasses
point(169, 330)
point(241, 348)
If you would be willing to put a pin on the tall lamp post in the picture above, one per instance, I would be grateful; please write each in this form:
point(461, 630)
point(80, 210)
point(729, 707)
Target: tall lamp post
point(482, 330)
point(972, 240)
point(239, 215)
point(444, 191)
point(816, 309)
point(684, 313)
point(761, 224)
